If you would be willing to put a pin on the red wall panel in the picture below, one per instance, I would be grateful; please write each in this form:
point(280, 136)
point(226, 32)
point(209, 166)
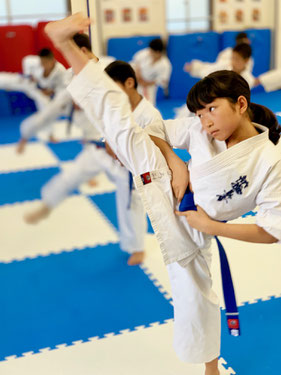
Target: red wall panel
point(42, 41)
point(16, 41)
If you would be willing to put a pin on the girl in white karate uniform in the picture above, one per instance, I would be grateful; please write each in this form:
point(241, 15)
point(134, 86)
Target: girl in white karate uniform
point(42, 75)
point(93, 159)
point(228, 147)
point(153, 69)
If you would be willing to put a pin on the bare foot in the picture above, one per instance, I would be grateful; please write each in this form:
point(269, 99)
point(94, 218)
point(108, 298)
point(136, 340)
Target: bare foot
point(92, 183)
point(61, 31)
point(52, 139)
point(37, 215)
point(216, 372)
point(136, 258)
point(21, 146)
point(212, 367)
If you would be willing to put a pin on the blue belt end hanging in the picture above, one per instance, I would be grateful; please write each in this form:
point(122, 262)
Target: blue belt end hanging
point(232, 314)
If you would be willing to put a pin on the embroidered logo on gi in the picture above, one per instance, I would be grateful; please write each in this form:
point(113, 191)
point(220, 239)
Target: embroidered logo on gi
point(146, 179)
point(237, 187)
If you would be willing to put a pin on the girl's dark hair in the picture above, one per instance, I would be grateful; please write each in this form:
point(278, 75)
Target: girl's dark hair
point(120, 71)
point(230, 85)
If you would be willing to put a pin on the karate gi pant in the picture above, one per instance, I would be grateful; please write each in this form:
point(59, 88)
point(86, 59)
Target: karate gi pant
point(60, 105)
point(91, 161)
point(17, 82)
point(185, 250)
point(197, 323)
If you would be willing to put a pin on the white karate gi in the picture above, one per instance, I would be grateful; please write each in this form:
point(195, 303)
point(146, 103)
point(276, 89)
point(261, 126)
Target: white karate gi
point(55, 80)
point(93, 160)
point(30, 64)
point(159, 72)
point(202, 70)
point(32, 68)
point(224, 57)
point(44, 118)
point(60, 105)
point(271, 80)
point(227, 183)
point(197, 314)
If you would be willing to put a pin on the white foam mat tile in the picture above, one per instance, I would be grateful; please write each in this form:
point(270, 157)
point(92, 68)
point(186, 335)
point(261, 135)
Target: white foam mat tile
point(144, 351)
point(61, 131)
point(76, 223)
point(35, 156)
point(255, 268)
point(103, 184)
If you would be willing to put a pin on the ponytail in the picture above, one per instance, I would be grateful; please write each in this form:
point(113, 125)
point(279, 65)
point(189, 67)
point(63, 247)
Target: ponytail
point(264, 116)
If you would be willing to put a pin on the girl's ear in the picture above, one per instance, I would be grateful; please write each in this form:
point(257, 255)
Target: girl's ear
point(242, 104)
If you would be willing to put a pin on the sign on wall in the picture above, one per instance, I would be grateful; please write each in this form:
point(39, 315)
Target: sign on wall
point(119, 18)
point(242, 14)
point(127, 17)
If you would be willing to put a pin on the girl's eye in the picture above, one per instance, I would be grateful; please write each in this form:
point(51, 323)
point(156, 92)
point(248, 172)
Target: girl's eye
point(211, 109)
point(200, 116)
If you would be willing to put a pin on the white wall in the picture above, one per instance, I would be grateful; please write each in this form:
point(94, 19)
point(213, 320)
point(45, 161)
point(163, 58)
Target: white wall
point(102, 30)
point(278, 35)
point(31, 11)
point(154, 24)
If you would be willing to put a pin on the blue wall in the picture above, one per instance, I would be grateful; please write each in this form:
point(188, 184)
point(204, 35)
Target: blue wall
point(203, 46)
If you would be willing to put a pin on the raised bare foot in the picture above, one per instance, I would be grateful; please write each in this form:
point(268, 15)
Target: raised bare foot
point(37, 215)
point(136, 258)
point(63, 30)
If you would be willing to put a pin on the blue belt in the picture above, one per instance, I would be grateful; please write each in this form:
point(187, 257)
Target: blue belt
point(130, 190)
point(232, 314)
point(99, 144)
point(70, 118)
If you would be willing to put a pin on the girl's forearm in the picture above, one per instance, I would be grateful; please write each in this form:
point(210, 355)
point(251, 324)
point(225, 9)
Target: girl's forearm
point(242, 232)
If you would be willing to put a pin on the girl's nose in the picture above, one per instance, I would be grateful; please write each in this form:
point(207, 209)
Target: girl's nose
point(209, 123)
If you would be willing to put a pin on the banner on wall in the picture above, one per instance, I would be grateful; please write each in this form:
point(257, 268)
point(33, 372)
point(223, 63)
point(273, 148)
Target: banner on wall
point(127, 17)
point(235, 14)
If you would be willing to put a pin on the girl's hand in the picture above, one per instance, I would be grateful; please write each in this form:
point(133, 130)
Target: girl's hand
point(198, 220)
